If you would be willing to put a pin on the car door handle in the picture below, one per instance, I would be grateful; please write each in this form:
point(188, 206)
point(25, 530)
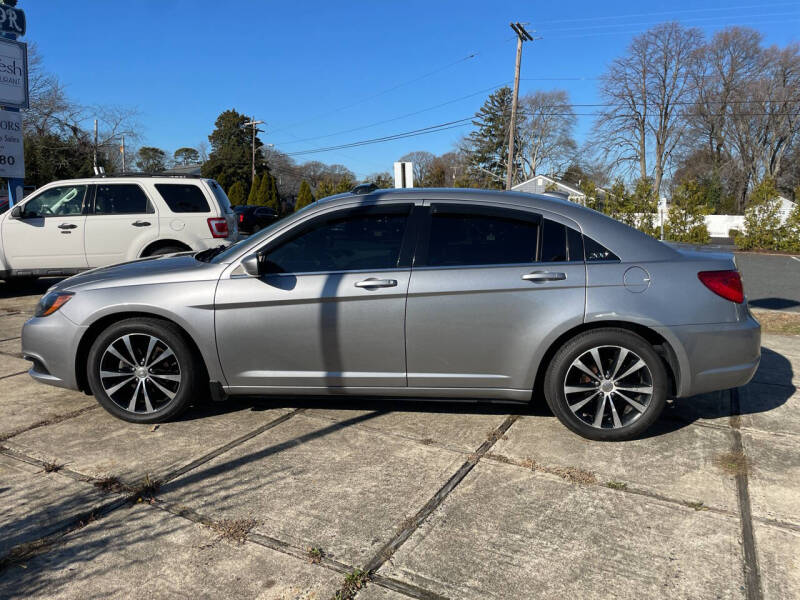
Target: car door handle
point(68, 226)
point(376, 283)
point(544, 276)
point(141, 223)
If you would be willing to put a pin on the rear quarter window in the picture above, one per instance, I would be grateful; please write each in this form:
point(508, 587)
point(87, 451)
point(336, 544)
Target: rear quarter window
point(183, 198)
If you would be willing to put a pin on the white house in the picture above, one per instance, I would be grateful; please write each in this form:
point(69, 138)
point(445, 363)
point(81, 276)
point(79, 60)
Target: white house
point(540, 183)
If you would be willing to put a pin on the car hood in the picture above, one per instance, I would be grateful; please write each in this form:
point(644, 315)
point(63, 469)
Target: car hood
point(150, 270)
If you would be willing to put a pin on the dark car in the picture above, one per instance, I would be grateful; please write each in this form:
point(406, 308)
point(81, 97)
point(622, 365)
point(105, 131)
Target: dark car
point(254, 218)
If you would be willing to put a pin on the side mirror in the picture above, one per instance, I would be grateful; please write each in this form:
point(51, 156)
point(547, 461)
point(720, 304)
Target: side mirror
point(16, 212)
point(251, 265)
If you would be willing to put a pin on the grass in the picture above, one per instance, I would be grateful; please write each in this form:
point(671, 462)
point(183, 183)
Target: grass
point(235, 530)
point(51, 467)
point(571, 474)
point(733, 463)
point(315, 555)
point(696, 505)
point(353, 581)
point(773, 321)
point(617, 485)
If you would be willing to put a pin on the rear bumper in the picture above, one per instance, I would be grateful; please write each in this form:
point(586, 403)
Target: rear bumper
point(50, 344)
point(715, 356)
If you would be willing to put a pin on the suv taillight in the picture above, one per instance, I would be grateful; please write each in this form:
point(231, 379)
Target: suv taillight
point(727, 284)
point(218, 227)
point(241, 217)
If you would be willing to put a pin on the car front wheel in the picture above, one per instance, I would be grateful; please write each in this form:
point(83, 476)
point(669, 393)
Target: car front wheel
point(606, 385)
point(142, 370)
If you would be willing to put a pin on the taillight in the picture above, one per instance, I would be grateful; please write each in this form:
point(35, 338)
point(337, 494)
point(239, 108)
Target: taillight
point(218, 227)
point(241, 218)
point(727, 284)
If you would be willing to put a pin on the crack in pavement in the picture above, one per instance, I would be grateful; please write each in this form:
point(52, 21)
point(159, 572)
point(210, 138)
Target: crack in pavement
point(752, 574)
point(51, 421)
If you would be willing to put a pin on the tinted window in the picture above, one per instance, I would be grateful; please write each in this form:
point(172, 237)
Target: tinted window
point(575, 245)
point(480, 239)
point(121, 199)
point(61, 201)
point(554, 242)
point(183, 198)
point(597, 252)
point(345, 243)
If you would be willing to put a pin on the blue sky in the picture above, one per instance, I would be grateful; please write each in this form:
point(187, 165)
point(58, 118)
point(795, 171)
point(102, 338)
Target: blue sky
point(311, 69)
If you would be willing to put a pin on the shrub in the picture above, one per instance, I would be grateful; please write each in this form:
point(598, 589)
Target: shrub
point(685, 220)
point(762, 221)
point(790, 232)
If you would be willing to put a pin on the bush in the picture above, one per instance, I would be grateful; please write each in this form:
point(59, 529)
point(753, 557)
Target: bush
point(762, 221)
point(685, 220)
point(790, 232)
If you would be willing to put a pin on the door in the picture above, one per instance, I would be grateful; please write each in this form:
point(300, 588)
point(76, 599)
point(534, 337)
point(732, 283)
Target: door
point(122, 222)
point(48, 233)
point(488, 285)
point(328, 311)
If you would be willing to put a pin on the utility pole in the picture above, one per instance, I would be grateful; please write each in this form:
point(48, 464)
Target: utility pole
point(254, 124)
point(94, 158)
point(123, 152)
point(522, 36)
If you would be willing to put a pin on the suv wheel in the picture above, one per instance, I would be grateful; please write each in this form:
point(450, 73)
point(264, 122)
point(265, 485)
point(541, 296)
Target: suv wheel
point(606, 385)
point(165, 250)
point(142, 370)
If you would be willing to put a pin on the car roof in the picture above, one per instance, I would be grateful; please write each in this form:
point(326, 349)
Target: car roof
point(625, 241)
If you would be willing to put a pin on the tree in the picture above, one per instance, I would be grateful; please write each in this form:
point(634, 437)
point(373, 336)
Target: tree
point(150, 159)
point(422, 162)
point(487, 146)
point(304, 197)
point(790, 236)
point(762, 220)
point(231, 151)
point(646, 91)
point(252, 195)
point(686, 221)
point(545, 130)
point(236, 193)
point(384, 180)
point(186, 156)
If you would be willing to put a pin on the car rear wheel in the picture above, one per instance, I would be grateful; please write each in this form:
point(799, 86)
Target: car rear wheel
point(142, 370)
point(606, 385)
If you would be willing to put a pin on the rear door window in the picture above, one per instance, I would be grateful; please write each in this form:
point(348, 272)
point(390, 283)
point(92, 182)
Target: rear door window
point(121, 199)
point(474, 236)
point(183, 197)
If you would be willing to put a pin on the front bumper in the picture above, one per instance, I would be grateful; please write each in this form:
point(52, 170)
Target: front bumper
point(715, 356)
point(51, 343)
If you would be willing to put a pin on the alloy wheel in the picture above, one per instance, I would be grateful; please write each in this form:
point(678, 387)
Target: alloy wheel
point(608, 387)
point(140, 373)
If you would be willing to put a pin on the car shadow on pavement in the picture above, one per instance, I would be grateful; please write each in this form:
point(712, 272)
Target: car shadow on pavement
point(17, 288)
point(774, 303)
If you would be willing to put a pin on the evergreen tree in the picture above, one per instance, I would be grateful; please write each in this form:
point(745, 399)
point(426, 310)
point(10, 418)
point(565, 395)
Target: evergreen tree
point(790, 235)
point(231, 151)
point(252, 196)
point(686, 221)
point(304, 197)
point(262, 198)
point(488, 145)
point(274, 198)
point(762, 219)
point(645, 206)
point(236, 193)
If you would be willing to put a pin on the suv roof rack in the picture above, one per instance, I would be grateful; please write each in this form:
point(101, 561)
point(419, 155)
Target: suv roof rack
point(134, 174)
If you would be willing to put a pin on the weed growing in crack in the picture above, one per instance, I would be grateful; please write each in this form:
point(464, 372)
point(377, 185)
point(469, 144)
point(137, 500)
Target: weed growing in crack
point(51, 467)
point(234, 530)
point(617, 485)
point(315, 555)
point(353, 581)
point(733, 463)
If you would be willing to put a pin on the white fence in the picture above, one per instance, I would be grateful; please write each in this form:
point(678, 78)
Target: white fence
point(718, 225)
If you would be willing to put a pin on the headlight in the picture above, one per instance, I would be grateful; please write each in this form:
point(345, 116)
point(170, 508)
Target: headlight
point(51, 302)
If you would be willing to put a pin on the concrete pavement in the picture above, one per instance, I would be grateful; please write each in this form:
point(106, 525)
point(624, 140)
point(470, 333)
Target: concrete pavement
point(292, 498)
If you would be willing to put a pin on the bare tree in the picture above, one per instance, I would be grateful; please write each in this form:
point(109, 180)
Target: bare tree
point(202, 150)
point(422, 163)
point(546, 133)
point(647, 91)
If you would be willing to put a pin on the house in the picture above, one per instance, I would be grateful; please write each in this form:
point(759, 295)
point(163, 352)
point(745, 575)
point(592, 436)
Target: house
point(184, 170)
point(540, 184)
point(786, 208)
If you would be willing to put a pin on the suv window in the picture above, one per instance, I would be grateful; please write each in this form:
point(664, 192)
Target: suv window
point(60, 201)
point(120, 199)
point(357, 240)
point(222, 198)
point(183, 197)
point(474, 237)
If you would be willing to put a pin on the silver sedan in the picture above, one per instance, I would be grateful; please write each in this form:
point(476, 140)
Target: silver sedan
point(410, 293)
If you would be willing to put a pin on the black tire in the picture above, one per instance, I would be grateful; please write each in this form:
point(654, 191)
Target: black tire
point(165, 250)
point(616, 424)
point(141, 330)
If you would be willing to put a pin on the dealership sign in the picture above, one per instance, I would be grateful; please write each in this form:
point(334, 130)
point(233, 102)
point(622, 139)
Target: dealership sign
point(12, 20)
point(13, 73)
point(12, 156)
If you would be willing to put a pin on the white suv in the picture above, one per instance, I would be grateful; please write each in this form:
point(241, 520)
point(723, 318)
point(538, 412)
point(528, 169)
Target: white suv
point(69, 226)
